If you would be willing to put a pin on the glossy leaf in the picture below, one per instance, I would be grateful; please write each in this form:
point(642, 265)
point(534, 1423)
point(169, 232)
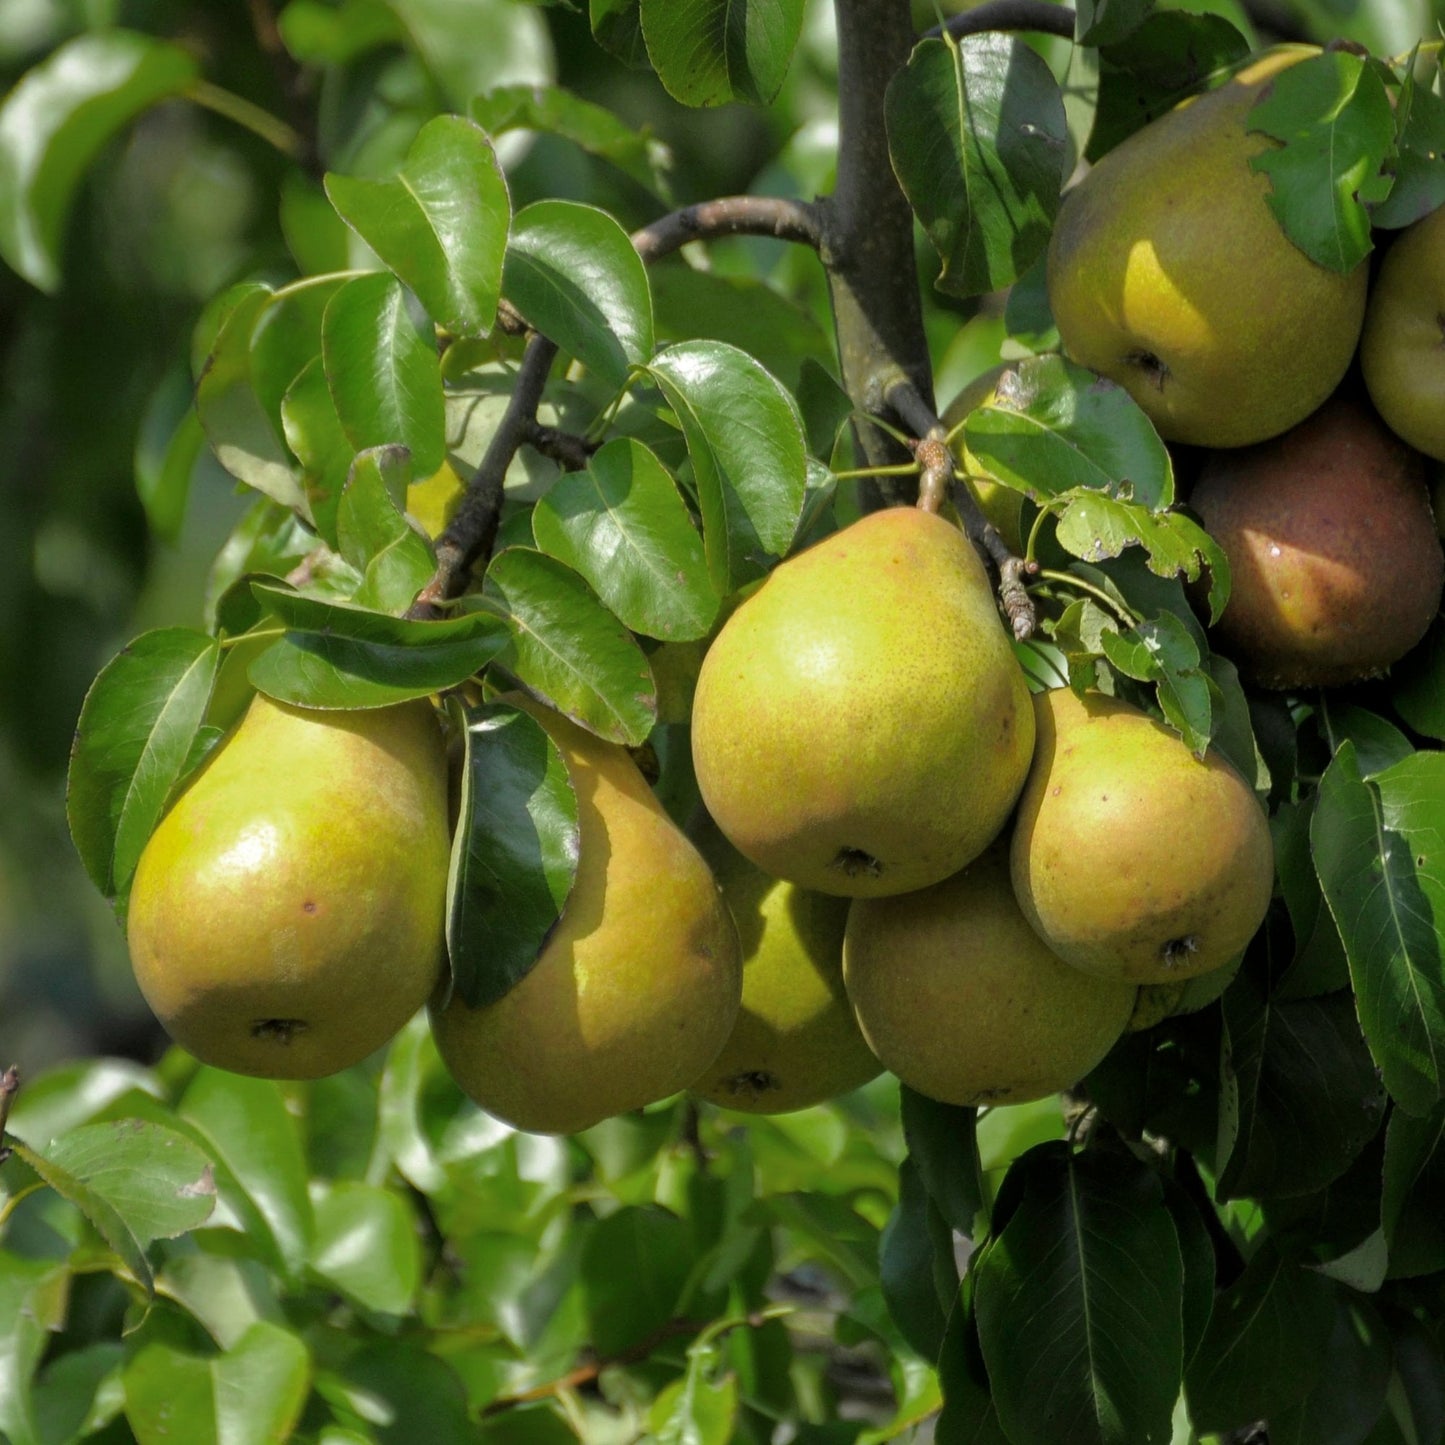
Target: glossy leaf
point(1410, 1204)
point(514, 851)
point(634, 1266)
point(315, 436)
point(1300, 1097)
point(944, 1150)
point(33, 1296)
point(623, 525)
point(375, 537)
point(1379, 849)
point(745, 439)
point(366, 1246)
point(699, 1409)
point(383, 371)
point(136, 732)
point(597, 130)
point(440, 224)
point(252, 1394)
point(335, 655)
point(574, 274)
point(56, 120)
point(707, 52)
point(1332, 116)
point(1419, 186)
point(976, 131)
point(566, 647)
point(1078, 1304)
point(1264, 1348)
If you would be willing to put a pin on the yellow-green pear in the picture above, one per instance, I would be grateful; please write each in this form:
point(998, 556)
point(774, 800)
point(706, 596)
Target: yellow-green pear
point(1159, 1001)
point(1002, 505)
point(636, 989)
point(1402, 349)
point(1132, 858)
point(1169, 273)
point(286, 917)
point(960, 998)
point(795, 1042)
point(861, 725)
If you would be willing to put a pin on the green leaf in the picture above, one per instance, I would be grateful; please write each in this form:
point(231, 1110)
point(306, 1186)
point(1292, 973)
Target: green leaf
point(78, 1393)
point(395, 1392)
point(250, 1133)
point(596, 130)
point(745, 439)
point(169, 442)
point(252, 1394)
point(700, 1408)
point(366, 1246)
point(1332, 115)
point(316, 32)
point(1379, 744)
point(1419, 172)
point(566, 647)
point(514, 851)
point(707, 52)
point(1078, 1303)
point(1299, 1097)
point(1319, 965)
point(33, 1299)
point(383, 371)
point(1054, 426)
point(1107, 22)
point(1171, 55)
point(635, 1264)
point(1379, 849)
point(440, 224)
point(472, 45)
point(1415, 684)
point(137, 728)
point(617, 28)
point(977, 134)
point(944, 1150)
point(624, 526)
point(572, 271)
point(374, 535)
point(1350, 1395)
point(314, 434)
point(57, 119)
point(1264, 1348)
point(335, 655)
point(1197, 1252)
point(1410, 1204)
point(916, 1267)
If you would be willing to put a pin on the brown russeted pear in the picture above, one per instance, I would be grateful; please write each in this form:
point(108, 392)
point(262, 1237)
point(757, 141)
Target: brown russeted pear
point(960, 998)
point(1132, 858)
point(287, 915)
point(1334, 557)
point(861, 725)
point(795, 1042)
point(636, 989)
point(1169, 273)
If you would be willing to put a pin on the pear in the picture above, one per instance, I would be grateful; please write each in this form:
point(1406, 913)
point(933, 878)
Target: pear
point(286, 917)
point(1168, 273)
point(1402, 348)
point(1002, 505)
point(795, 1042)
point(860, 724)
point(637, 988)
point(964, 1002)
point(1333, 553)
point(1159, 1001)
point(1132, 858)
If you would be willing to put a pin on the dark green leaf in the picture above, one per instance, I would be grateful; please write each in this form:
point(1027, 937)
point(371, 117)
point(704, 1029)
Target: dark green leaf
point(1300, 1097)
point(170, 440)
point(1419, 163)
point(976, 131)
point(1078, 1303)
point(1331, 114)
point(252, 1394)
point(514, 851)
point(383, 371)
point(745, 438)
point(942, 1146)
point(472, 45)
point(33, 1299)
point(1350, 1396)
point(969, 1416)
point(559, 112)
point(1107, 22)
point(1415, 1402)
point(396, 1392)
point(572, 271)
point(1380, 855)
point(375, 536)
point(76, 1393)
point(1319, 965)
point(624, 526)
point(55, 121)
point(440, 224)
point(916, 1267)
point(1197, 1252)
point(635, 1264)
point(617, 27)
point(1414, 1185)
point(709, 51)
point(1378, 744)
point(1415, 684)
point(569, 649)
point(1171, 55)
point(338, 656)
point(1264, 1348)
point(366, 1246)
point(136, 730)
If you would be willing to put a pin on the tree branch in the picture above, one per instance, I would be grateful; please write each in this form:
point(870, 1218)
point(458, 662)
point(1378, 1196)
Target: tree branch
point(1009, 15)
point(781, 217)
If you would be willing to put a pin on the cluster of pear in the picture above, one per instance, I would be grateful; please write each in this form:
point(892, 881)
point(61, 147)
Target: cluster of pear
point(1169, 273)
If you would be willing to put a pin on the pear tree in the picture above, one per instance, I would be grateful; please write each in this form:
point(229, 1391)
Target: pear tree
point(572, 380)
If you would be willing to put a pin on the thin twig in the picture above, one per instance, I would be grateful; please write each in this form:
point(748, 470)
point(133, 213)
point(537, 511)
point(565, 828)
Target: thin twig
point(1038, 16)
point(9, 1087)
point(571, 452)
point(781, 217)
